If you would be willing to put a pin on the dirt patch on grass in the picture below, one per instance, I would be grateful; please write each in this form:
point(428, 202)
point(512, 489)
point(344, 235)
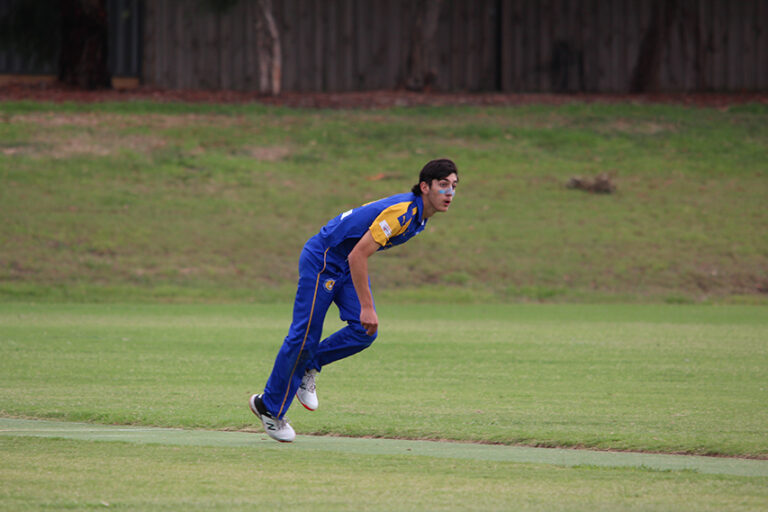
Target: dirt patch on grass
point(63, 135)
point(269, 153)
point(45, 144)
point(118, 121)
point(637, 126)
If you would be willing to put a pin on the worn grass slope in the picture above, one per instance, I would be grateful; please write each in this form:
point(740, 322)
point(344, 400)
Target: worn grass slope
point(175, 202)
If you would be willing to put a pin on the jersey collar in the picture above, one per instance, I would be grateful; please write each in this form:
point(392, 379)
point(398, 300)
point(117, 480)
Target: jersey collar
point(420, 205)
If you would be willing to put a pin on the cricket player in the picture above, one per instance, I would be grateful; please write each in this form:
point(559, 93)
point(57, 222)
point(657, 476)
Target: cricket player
point(333, 267)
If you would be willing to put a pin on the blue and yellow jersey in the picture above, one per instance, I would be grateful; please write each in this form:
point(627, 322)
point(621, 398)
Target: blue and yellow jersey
point(392, 221)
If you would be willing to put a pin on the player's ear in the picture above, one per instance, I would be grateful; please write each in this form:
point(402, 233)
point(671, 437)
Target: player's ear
point(424, 187)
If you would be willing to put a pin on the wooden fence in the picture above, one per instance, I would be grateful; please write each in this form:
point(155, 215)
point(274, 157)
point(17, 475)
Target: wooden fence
point(481, 45)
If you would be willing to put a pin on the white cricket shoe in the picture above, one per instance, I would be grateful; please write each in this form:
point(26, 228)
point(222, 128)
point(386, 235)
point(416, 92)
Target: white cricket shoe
point(307, 392)
point(279, 430)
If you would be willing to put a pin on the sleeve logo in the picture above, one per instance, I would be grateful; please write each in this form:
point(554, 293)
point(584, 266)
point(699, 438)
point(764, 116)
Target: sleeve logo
point(385, 228)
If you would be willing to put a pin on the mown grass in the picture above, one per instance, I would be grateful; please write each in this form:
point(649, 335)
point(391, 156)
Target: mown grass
point(640, 377)
point(140, 201)
point(51, 474)
point(688, 379)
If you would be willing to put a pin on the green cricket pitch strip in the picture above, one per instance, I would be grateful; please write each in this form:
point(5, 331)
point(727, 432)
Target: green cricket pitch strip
point(365, 446)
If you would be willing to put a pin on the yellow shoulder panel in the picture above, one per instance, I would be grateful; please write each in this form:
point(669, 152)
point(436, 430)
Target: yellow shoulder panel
point(387, 224)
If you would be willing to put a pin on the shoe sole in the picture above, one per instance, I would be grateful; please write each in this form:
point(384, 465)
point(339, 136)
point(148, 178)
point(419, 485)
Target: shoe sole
point(305, 405)
point(258, 415)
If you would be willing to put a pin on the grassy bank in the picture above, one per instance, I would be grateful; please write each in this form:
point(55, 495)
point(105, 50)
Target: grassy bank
point(140, 201)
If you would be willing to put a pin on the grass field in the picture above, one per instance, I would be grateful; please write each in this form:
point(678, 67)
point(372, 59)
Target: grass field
point(666, 378)
point(148, 253)
point(183, 202)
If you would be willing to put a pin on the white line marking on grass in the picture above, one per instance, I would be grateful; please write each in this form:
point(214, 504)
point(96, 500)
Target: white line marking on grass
point(364, 446)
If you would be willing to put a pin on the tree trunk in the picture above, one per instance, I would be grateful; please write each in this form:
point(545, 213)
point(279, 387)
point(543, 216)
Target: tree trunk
point(270, 52)
point(645, 77)
point(420, 73)
point(83, 58)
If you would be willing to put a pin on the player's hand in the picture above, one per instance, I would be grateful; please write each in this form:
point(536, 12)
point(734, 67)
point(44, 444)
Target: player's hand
point(370, 320)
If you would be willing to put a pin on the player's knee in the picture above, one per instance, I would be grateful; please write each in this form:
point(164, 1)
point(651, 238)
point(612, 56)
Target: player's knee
point(362, 335)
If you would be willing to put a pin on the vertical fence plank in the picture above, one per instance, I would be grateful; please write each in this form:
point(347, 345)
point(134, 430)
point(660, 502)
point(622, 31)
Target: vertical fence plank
point(575, 78)
point(486, 44)
point(618, 46)
point(377, 42)
point(149, 44)
point(174, 67)
point(458, 38)
point(661, 67)
point(210, 63)
point(249, 48)
point(164, 47)
point(572, 34)
point(749, 32)
point(695, 45)
point(115, 35)
point(318, 62)
point(588, 41)
point(297, 42)
point(761, 45)
point(394, 63)
point(557, 68)
point(227, 43)
point(702, 52)
point(176, 56)
point(219, 55)
point(519, 45)
point(747, 47)
point(289, 43)
point(306, 45)
point(734, 43)
point(330, 27)
point(704, 79)
point(547, 16)
point(671, 61)
point(603, 40)
point(444, 36)
point(506, 50)
point(159, 42)
point(691, 42)
point(236, 47)
point(469, 49)
point(182, 51)
point(200, 63)
point(633, 22)
point(347, 45)
point(528, 30)
point(615, 64)
point(362, 46)
point(535, 66)
point(720, 57)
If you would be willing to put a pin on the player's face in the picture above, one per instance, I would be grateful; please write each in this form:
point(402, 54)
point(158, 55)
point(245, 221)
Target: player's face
point(440, 194)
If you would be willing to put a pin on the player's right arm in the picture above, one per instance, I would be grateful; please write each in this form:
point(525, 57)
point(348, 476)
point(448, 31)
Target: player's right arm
point(358, 269)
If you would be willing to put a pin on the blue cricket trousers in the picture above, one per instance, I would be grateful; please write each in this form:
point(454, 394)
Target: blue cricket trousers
point(323, 279)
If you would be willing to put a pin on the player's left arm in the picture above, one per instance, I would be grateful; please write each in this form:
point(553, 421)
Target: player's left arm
point(358, 269)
